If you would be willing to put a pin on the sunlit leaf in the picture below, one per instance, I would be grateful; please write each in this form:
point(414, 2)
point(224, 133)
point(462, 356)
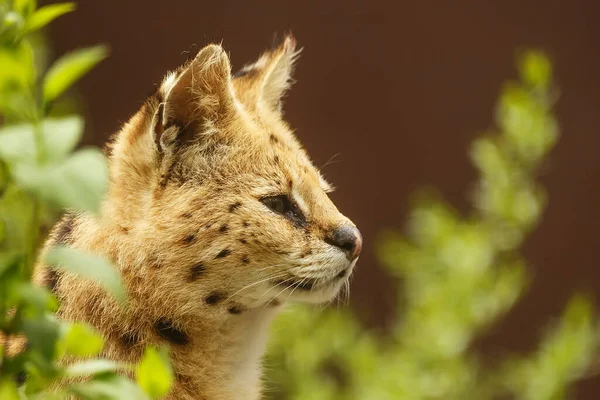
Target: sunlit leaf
point(535, 68)
point(44, 15)
point(69, 68)
point(92, 367)
point(89, 266)
point(154, 373)
point(80, 341)
point(8, 389)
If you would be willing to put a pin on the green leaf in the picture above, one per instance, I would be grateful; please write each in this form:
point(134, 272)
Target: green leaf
point(44, 15)
point(69, 68)
point(535, 69)
point(79, 182)
point(59, 137)
point(109, 387)
point(42, 334)
point(92, 367)
point(80, 341)
point(154, 373)
point(8, 390)
point(89, 266)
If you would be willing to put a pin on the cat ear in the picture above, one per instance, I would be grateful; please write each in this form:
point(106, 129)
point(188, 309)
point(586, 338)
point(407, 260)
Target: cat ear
point(195, 97)
point(267, 80)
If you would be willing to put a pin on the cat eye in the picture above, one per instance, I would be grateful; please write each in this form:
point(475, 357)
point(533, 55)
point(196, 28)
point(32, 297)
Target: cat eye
point(283, 205)
point(280, 204)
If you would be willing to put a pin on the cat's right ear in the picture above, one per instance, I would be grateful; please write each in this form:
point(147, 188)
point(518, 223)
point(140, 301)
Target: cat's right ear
point(194, 98)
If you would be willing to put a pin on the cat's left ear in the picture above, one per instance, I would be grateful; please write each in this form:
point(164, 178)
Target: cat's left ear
point(266, 81)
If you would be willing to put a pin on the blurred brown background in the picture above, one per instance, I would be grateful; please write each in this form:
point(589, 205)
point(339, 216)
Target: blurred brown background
point(396, 90)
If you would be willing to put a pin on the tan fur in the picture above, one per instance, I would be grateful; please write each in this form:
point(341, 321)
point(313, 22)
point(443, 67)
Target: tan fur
point(184, 223)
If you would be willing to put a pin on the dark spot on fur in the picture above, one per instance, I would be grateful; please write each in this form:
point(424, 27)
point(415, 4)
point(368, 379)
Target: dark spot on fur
point(235, 206)
point(129, 340)
point(246, 224)
point(124, 229)
point(246, 260)
point(243, 241)
point(224, 228)
point(290, 183)
point(197, 271)
point(306, 253)
point(274, 303)
point(223, 253)
point(185, 380)
point(187, 215)
point(51, 280)
point(171, 333)
point(235, 310)
point(273, 139)
point(189, 238)
point(207, 226)
point(214, 298)
point(276, 159)
point(282, 252)
point(64, 229)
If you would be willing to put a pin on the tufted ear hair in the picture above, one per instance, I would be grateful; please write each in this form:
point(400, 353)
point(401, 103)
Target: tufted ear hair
point(267, 80)
point(194, 98)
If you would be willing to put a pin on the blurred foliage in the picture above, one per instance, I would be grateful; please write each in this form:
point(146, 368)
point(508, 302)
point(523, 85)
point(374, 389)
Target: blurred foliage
point(41, 173)
point(456, 275)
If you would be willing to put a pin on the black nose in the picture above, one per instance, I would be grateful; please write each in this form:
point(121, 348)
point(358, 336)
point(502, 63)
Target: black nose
point(347, 238)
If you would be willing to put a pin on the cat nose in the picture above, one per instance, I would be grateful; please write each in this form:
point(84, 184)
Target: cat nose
point(346, 238)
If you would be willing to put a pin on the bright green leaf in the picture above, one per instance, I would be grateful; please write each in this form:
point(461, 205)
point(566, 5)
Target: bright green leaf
point(535, 68)
point(8, 390)
point(154, 374)
point(44, 15)
point(88, 266)
point(80, 341)
point(69, 68)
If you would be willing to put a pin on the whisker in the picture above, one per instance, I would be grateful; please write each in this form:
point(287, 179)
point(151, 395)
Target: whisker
point(281, 274)
point(275, 286)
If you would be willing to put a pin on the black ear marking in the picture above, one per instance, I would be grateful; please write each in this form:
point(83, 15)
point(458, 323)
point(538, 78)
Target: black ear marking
point(158, 128)
point(170, 333)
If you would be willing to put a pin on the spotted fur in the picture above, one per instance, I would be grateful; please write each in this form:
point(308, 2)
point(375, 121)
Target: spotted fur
point(206, 262)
